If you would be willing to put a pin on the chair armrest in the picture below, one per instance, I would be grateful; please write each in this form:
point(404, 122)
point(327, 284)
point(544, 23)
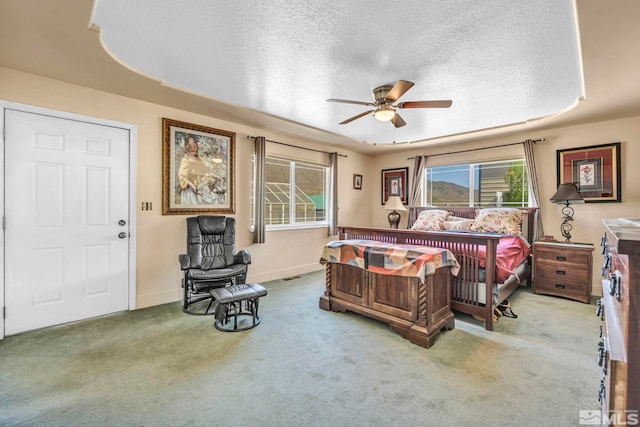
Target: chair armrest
point(243, 257)
point(184, 261)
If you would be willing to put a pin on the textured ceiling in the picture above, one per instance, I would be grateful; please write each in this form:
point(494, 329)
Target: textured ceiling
point(500, 62)
point(359, 49)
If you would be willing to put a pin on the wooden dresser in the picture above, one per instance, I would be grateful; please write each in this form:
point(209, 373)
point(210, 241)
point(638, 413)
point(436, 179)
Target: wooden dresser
point(619, 308)
point(563, 269)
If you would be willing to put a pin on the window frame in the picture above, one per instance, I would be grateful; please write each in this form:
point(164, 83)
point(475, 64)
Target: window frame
point(292, 224)
point(473, 171)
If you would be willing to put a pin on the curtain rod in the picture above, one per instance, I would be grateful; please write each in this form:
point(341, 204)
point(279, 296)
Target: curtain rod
point(483, 148)
point(296, 146)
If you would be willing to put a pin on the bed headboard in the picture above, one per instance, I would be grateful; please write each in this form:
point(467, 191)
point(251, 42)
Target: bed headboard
point(528, 222)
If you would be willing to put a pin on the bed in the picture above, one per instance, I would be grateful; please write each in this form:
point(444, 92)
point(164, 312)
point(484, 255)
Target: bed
point(482, 257)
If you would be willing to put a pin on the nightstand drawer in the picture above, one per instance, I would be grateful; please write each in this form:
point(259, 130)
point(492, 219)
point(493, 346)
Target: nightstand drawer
point(563, 257)
point(563, 288)
point(562, 271)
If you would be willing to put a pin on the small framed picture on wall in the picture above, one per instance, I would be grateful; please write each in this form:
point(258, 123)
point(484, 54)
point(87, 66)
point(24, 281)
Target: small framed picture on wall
point(357, 181)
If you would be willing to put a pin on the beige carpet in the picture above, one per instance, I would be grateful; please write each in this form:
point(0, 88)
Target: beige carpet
point(303, 366)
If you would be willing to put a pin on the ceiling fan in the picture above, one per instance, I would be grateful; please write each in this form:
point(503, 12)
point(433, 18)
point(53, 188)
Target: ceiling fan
point(384, 98)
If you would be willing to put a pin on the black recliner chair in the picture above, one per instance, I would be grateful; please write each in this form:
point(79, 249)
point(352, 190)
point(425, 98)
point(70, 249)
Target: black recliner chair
point(211, 261)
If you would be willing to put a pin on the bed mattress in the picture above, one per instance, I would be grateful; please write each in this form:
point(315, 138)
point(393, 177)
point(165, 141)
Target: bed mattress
point(496, 289)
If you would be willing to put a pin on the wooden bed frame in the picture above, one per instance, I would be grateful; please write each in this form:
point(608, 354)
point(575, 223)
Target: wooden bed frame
point(465, 287)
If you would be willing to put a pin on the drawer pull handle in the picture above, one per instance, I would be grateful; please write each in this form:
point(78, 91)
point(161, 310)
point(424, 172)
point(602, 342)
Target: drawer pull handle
point(600, 352)
point(600, 309)
point(602, 356)
point(615, 285)
point(559, 286)
point(561, 272)
point(613, 280)
point(561, 258)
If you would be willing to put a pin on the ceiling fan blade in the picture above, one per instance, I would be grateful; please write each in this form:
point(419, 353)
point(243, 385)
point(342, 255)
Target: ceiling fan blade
point(425, 104)
point(346, 101)
point(356, 117)
point(398, 121)
point(399, 89)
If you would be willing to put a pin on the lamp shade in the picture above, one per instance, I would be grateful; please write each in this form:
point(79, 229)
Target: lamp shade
point(567, 194)
point(394, 203)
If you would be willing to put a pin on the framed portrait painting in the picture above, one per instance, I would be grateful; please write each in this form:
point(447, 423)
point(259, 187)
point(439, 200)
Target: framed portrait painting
point(394, 183)
point(197, 169)
point(595, 170)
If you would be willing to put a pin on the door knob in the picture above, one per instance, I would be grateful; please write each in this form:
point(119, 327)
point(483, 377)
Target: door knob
point(122, 222)
point(122, 235)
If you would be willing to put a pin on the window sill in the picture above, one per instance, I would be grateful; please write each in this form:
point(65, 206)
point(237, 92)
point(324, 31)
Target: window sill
point(293, 227)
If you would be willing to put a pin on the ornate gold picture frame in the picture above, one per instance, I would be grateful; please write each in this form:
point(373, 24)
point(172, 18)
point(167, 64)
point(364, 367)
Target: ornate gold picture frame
point(197, 169)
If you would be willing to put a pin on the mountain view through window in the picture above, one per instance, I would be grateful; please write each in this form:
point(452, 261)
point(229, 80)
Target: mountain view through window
point(503, 183)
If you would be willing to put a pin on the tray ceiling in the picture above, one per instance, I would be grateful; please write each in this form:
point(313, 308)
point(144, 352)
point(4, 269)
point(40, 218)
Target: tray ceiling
point(508, 66)
point(500, 62)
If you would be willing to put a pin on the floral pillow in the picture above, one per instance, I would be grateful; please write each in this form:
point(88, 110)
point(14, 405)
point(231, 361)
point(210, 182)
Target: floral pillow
point(430, 220)
point(458, 224)
point(498, 220)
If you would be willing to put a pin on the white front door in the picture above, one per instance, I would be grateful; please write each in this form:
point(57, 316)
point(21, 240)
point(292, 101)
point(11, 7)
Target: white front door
point(67, 220)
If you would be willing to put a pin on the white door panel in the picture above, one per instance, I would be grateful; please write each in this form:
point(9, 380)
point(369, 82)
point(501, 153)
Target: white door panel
point(66, 192)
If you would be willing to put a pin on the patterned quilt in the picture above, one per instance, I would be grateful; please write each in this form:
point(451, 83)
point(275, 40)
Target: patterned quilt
point(389, 258)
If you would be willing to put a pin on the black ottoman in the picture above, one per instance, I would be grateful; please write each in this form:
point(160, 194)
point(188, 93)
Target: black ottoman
point(240, 303)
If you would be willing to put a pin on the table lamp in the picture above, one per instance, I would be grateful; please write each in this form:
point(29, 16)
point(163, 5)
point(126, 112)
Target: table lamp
point(567, 194)
point(394, 204)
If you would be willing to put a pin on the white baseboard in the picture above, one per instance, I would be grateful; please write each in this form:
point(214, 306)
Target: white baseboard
point(258, 278)
point(143, 301)
point(158, 299)
point(283, 273)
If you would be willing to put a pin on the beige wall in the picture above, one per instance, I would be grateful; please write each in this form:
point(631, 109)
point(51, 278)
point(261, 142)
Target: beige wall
point(587, 223)
point(161, 238)
point(288, 252)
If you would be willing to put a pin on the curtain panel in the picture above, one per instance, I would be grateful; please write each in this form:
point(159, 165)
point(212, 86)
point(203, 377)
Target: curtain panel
point(259, 226)
point(419, 165)
point(333, 215)
point(534, 192)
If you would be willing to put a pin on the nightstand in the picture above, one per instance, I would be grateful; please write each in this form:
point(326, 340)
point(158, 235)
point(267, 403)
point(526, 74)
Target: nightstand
point(563, 269)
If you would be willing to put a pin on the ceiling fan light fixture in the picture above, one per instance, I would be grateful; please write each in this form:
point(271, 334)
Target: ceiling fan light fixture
point(384, 98)
point(384, 113)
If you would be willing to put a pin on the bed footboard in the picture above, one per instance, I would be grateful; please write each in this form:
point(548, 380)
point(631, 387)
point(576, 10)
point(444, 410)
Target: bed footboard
point(466, 287)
